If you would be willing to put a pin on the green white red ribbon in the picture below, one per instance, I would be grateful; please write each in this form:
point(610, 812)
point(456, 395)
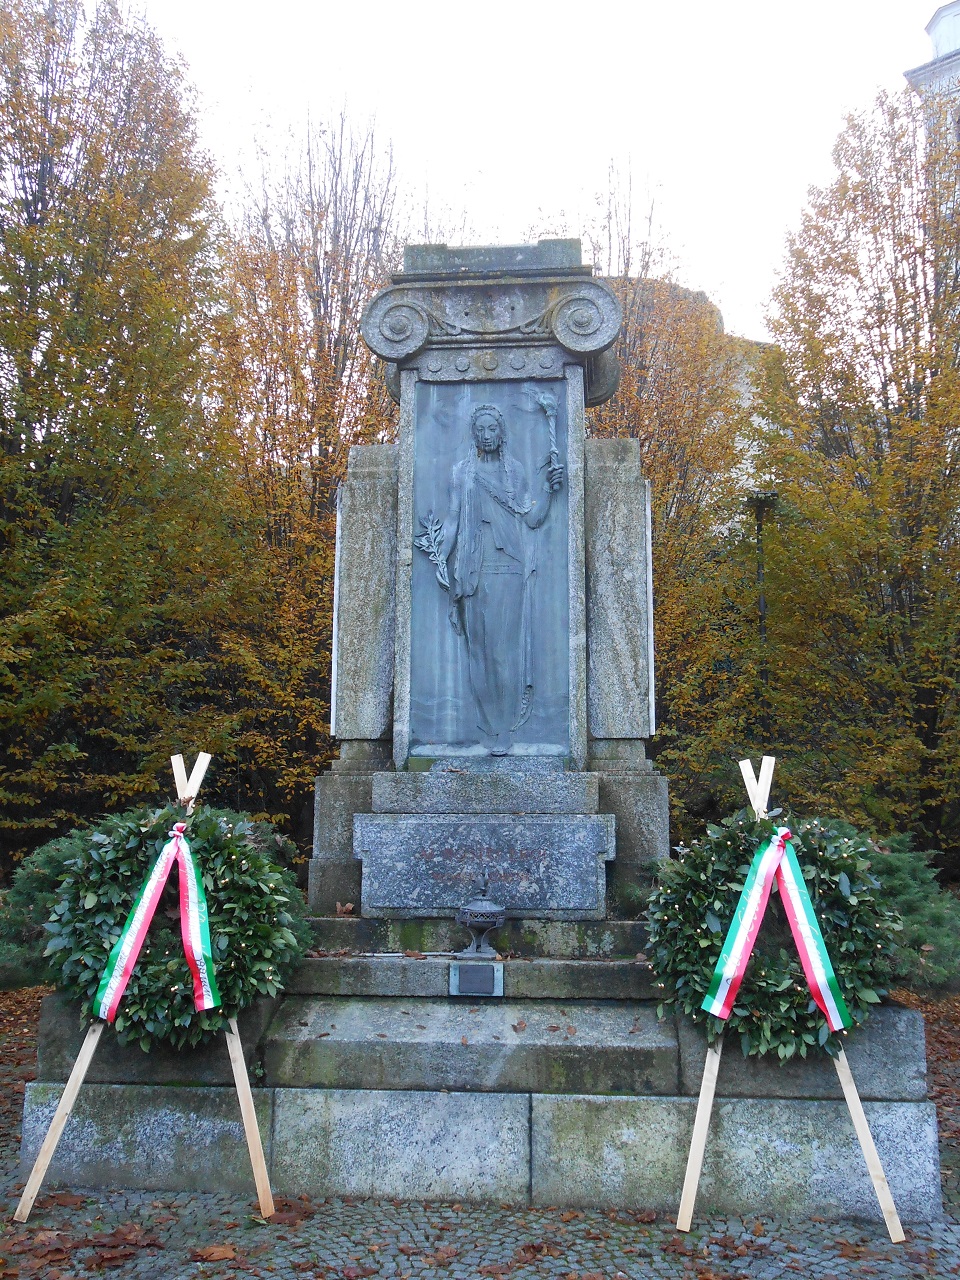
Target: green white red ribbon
point(194, 929)
point(776, 859)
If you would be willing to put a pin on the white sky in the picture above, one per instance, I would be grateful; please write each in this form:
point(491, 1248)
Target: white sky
point(509, 110)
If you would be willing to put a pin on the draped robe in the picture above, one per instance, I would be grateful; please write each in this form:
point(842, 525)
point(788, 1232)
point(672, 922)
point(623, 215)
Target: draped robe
point(492, 565)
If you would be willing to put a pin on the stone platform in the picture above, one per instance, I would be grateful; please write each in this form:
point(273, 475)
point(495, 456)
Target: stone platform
point(372, 1080)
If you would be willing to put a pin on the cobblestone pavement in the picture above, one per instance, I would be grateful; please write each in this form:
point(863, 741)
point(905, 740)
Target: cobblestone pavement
point(74, 1234)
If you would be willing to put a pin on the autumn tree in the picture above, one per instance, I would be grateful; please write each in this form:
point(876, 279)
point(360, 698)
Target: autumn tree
point(682, 395)
point(862, 402)
point(112, 527)
point(296, 387)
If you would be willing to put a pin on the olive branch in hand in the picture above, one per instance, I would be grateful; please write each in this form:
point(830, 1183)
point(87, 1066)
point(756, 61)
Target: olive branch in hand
point(431, 542)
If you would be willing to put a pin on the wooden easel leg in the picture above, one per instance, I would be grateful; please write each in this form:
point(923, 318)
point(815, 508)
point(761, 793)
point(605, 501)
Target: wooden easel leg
point(708, 1087)
point(874, 1167)
point(250, 1127)
point(60, 1117)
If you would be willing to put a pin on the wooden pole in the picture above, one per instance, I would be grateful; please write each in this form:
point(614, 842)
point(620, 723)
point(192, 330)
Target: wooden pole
point(691, 1182)
point(874, 1167)
point(188, 788)
point(250, 1127)
point(60, 1117)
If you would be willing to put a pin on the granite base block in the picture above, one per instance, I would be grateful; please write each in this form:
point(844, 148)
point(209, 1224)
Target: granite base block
point(530, 978)
point(61, 1034)
point(429, 865)
point(490, 791)
point(781, 1157)
point(556, 939)
point(641, 805)
point(332, 881)
point(444, 1146)
point(887, 1056)
point(491, 1046)
point(778, 1157)
point(152, 1137)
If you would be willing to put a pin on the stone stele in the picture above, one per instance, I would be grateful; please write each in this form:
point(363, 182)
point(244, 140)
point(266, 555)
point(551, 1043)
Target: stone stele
point(493, 662)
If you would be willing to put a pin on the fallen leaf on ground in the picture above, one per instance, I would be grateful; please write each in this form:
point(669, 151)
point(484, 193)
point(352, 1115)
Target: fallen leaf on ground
point(214, 1253)
point(102, 1258)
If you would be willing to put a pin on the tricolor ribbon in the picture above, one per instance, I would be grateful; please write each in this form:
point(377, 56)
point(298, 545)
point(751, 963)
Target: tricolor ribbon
point(194, 929)
point(776, 859)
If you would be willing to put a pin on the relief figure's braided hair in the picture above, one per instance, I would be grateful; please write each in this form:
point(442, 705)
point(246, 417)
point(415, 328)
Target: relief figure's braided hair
point(491, 411)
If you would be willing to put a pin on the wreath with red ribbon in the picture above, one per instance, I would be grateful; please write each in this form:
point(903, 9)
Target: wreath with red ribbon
point(257, 929)
point(691, 909)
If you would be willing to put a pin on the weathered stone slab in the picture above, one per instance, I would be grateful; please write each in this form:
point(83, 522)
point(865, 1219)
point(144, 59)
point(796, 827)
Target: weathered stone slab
point(443, 1146)
point(333, 873)
point(560, 939)
point(490, 791)
point(490, 1045)
point(790, 1158)
point(371, 976)
point(640, 805)
point(619, 591)
point(541, 979)
point(364, 605)
point(61, 1034)
point(154, 1137)
point(508, 259)
point(541, 865)
point(887, 1056)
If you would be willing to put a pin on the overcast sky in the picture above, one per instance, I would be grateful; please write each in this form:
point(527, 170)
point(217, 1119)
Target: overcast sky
point(724, 113)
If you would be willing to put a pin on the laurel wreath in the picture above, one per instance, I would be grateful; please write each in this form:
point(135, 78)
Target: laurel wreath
point(690, 910)
point(257, 925)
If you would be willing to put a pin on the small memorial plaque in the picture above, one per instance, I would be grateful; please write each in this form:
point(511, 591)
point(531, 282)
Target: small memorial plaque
point(473, 979)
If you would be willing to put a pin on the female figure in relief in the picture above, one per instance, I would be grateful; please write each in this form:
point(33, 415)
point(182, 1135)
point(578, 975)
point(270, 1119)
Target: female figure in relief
point(491, 563)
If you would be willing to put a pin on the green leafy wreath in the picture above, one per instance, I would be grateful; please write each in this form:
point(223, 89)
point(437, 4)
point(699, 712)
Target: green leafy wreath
point(256, 912)
point(691, 908)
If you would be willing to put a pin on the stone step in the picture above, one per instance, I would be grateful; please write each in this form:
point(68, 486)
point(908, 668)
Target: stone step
point(531, 978)
point(560, 939)
point(458, 790)
point(763, 1156)
point(538, 1046)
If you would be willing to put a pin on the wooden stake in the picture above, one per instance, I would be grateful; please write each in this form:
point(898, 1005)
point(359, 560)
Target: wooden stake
point(188, 788)
point(250, 1127)
point(708, 1087)
point(874, 1167)
point(60, 1117)
point(758, 789)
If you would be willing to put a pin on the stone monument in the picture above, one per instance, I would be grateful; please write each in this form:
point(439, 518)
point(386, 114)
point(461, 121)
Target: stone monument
point(493, 668)
point(493, 695)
